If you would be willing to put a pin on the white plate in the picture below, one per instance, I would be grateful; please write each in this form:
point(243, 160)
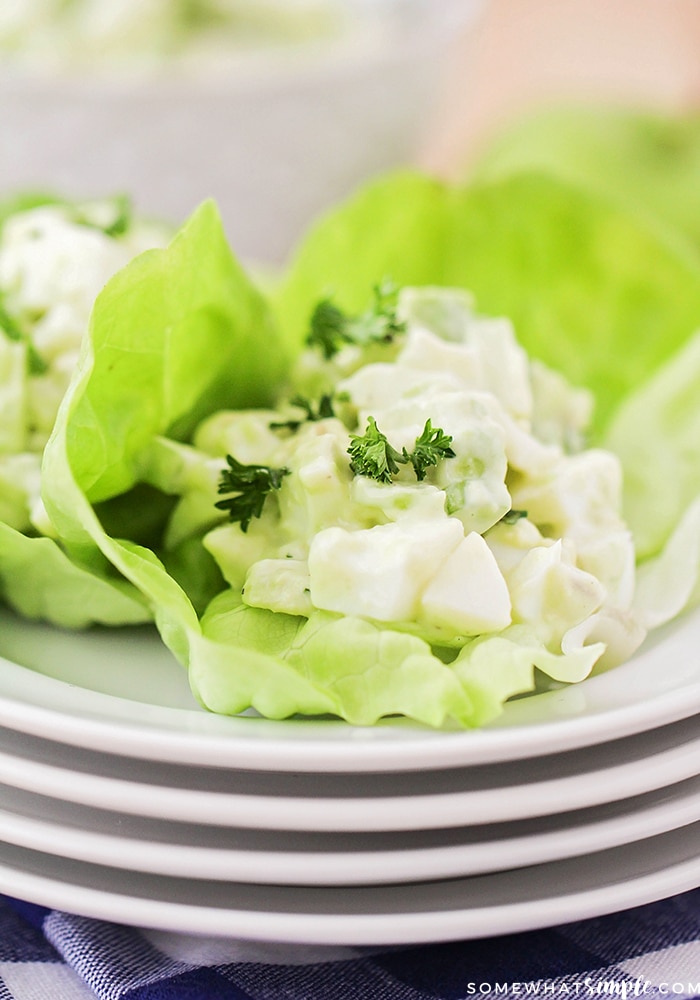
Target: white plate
point(122, 692)
point(355, 802)
point(478, 906)
point(205, 852)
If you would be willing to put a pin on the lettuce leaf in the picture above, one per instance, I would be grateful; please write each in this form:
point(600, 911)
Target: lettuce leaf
point(39, 580)
point(593, 291)
point(656, 434)
point(361, 671)
point(669, 583)
point(346, 666)
point(175, 335)
point(645, 161)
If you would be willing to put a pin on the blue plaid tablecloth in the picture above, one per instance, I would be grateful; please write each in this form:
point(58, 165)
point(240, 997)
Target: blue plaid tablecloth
point(651, 951)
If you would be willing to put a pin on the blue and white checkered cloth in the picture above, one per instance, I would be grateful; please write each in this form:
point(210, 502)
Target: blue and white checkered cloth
point(652, 951)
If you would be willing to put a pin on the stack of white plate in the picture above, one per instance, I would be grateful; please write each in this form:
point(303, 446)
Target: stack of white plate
point(120, 798)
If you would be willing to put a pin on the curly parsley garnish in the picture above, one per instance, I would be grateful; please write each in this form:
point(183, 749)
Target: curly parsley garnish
point(323, 410)
point(251, 484)
point(430, 448)
point(331, 328)
point(373, 456)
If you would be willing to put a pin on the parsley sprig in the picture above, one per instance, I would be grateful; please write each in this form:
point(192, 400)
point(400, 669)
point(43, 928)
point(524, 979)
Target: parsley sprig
point(430, 448)
point(373, 456)
point(322, 410)
point(331, 328)
point(251, 485)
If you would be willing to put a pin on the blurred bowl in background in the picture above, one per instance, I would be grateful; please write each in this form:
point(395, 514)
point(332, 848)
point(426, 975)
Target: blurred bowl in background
point(274, 135)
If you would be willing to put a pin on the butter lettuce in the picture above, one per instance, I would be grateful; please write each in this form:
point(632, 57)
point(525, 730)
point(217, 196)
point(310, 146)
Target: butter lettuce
point(40, 581)
point(183, 332)
point(669, 583)
point(347, 667)
point(646, 162)
point(177, 333)
point(592, 290)
point(656, 434)
point(355, 669)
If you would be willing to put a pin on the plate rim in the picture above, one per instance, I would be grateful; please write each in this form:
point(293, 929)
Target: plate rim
point(94, 720)
point(359, 814)
point(358, 929)
point(581, 835)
